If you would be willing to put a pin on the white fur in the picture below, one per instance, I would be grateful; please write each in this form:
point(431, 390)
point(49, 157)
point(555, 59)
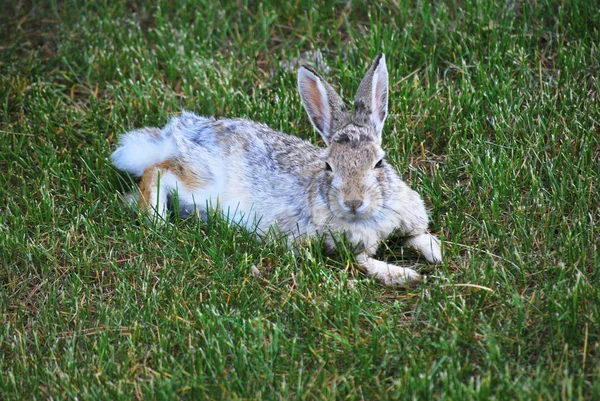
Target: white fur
point(137, 151)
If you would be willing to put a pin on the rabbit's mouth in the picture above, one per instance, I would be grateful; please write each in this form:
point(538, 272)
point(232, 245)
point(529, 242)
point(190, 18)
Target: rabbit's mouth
point(355, 210)
point(356, 218)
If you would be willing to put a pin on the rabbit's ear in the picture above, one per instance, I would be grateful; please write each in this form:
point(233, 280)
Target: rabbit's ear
point(324, 106)
point(371, 101)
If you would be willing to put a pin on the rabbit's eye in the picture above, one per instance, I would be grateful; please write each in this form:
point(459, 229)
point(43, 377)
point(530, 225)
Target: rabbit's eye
point(327, 167)
point(379, 164)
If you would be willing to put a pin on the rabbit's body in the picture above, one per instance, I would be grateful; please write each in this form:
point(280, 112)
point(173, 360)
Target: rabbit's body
point(262, 179)
point(236, 165)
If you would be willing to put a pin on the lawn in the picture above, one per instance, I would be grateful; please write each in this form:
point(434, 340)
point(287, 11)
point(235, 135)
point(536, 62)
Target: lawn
point(494, 120)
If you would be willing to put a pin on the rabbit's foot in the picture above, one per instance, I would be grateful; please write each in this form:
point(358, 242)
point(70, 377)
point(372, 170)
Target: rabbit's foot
point(388, 274)
point(427, 245)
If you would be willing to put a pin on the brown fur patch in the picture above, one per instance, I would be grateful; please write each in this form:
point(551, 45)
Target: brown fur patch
point(315, 104)
point(147, 185)
point(150, 179)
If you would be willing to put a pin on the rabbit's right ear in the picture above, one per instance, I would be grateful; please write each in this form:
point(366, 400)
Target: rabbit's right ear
point(324, 106)
point(371, 101)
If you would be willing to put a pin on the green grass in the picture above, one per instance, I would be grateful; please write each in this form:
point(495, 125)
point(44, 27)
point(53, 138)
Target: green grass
point(494, 119)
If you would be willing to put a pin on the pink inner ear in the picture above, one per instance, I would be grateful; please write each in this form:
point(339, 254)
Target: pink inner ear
point(316, 104)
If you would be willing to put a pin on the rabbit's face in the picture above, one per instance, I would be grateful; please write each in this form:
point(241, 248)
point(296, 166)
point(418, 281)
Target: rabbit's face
point(358, 178)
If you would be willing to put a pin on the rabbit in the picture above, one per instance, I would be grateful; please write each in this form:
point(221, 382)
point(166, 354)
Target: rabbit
point(260, 178)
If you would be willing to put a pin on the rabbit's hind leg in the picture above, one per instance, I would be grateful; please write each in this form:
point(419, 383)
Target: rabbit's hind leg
point(158, 181)
point(172, 179)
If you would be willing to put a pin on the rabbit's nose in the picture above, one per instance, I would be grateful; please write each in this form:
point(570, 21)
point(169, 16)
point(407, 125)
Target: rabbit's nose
point(353, 204)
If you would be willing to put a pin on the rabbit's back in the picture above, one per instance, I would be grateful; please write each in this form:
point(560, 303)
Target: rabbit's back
point(250, 171)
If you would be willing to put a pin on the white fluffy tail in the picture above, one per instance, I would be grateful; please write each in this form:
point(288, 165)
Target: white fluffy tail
point(142, 148)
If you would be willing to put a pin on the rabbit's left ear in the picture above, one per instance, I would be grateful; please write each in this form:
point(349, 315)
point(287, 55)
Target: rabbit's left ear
point(371, 101)
point(324, 106)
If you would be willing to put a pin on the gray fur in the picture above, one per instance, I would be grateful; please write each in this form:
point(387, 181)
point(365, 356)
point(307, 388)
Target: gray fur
point(261, 178)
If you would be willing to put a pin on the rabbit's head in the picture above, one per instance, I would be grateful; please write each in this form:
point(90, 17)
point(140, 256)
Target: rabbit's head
point(356, 178)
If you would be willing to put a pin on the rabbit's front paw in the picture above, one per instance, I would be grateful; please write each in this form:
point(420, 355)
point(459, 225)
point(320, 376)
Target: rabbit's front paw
point(390, 275)
point(398, 277)
point(428, 246)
